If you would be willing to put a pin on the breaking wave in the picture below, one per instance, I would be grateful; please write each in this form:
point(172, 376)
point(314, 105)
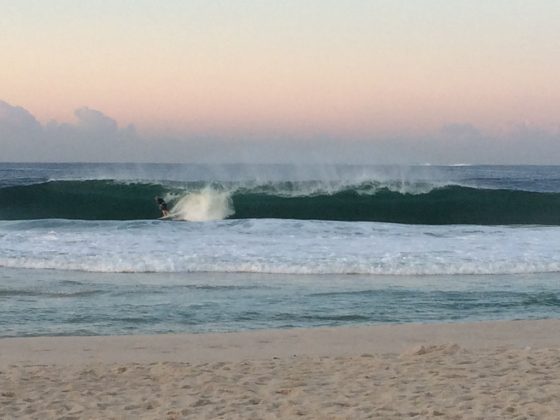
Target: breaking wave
point(366, 201)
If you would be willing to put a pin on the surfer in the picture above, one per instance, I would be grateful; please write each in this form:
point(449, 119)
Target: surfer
point(162, 206)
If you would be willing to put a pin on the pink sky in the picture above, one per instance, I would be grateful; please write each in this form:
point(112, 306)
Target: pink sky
point(285, 68)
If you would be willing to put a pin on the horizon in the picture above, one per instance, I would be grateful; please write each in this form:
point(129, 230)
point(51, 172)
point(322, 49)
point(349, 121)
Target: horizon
point(286, 164)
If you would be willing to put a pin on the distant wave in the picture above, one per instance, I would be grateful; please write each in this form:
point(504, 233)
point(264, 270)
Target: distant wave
point(365, 201)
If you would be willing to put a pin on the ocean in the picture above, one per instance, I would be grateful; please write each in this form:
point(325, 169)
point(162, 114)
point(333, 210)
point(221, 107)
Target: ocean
point(82, 251)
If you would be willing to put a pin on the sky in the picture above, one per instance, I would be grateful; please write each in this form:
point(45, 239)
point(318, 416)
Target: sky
point(354, 81)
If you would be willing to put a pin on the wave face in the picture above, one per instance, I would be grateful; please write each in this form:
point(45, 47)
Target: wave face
point(196, 201)
point(87, 200)
point(439, 206)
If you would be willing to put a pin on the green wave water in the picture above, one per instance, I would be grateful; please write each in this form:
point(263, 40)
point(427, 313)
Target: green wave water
point(110, 200)
point(440, 206)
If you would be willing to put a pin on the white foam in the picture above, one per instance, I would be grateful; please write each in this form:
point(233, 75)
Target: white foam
point(201, 206)
point(279, 246)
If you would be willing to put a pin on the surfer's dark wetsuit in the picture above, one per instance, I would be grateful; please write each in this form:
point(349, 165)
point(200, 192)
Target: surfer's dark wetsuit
point(162, 206)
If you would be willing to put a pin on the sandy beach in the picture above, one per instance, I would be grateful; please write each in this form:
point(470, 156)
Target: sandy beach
point(486, 370)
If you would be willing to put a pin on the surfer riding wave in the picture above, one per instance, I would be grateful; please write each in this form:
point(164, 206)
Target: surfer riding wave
point(162, 206)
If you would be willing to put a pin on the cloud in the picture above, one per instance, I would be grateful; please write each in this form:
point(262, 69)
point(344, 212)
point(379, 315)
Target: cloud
point(534, 143)
point(96, 121)
point(19, 132)
point(96, 137)
point(93, 137)
point(14, 119)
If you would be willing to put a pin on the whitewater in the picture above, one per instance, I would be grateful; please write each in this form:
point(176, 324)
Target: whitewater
point(273, 246)
point(279, 247)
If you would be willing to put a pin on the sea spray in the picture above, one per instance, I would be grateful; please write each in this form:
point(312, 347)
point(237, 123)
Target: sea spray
point(205, 205)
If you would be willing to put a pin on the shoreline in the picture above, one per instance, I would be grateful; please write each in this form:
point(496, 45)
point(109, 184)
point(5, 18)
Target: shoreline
point(281, 343)
point(498, 370)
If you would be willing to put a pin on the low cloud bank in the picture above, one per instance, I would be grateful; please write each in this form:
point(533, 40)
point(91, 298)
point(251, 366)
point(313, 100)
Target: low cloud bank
point(96, 137)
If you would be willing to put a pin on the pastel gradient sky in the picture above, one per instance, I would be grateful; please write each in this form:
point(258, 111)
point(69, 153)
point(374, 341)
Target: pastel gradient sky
point(286, 69)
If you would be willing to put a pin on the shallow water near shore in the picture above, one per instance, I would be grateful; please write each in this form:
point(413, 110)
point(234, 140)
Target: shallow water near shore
point(51, 302)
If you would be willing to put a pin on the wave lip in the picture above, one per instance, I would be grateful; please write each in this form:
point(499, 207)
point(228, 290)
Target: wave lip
point(434, 206)
point(388, 201)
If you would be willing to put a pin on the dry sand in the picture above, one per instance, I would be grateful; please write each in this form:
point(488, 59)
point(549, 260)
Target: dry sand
point(502, 370)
